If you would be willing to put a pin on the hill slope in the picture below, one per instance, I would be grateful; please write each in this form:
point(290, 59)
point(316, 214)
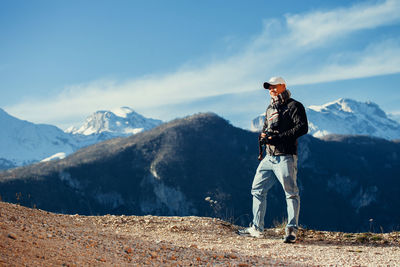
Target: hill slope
point(149, 173)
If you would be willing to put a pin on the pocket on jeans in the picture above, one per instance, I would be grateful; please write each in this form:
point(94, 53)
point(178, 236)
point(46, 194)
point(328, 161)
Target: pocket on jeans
point(288, 158)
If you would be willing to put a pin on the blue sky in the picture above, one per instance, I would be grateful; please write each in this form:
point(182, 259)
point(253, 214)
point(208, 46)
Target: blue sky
point(62, 60)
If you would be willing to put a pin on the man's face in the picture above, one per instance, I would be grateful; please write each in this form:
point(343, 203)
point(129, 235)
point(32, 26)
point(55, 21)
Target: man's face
point(275, 90)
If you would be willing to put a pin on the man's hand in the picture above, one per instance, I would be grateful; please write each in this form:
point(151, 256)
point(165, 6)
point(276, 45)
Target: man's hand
point(273, 139)
point(263, 138)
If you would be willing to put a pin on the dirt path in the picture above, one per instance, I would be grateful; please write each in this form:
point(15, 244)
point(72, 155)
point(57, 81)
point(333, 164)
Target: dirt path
point(38, 238)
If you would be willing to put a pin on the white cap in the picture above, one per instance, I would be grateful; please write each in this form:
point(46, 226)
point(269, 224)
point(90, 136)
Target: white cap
point(274, 81)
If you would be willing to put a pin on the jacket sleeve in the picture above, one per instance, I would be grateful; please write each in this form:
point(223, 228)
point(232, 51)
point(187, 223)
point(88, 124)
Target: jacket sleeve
point(299, 118)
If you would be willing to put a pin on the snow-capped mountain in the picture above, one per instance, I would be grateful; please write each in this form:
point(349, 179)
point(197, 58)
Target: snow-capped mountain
point(346, 116)
point(23, 142)
point(106, 124)
point(257, 123)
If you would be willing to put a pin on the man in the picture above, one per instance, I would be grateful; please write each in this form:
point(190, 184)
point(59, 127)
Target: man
point(285, 121)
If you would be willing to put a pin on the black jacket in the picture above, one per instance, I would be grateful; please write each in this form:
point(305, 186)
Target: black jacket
point(291, 125)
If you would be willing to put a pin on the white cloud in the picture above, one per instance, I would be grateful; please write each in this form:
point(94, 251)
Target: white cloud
point(377, 59)
point(312, 28)
point(274, 51)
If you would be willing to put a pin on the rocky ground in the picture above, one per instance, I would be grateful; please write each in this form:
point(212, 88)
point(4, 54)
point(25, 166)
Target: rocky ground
point(32, 237)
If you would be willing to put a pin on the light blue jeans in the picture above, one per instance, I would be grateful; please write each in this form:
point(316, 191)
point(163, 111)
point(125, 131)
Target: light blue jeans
point(271, 169)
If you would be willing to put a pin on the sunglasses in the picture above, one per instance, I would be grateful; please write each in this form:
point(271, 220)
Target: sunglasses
point(269, 86)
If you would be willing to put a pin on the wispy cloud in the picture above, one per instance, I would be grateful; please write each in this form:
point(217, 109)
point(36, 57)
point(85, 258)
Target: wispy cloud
point(377, 59)
point(279, 49)
point(314, 28)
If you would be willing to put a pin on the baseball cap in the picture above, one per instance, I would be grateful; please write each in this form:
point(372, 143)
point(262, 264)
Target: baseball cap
point(274, 81)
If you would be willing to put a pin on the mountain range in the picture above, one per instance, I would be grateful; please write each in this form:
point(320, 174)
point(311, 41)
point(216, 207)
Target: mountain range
point(23, 142)
point(348, 117)
point(202, 165)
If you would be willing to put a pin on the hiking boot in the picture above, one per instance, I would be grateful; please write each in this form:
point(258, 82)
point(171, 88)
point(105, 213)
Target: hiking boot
point(290, 236)
point(251, 231)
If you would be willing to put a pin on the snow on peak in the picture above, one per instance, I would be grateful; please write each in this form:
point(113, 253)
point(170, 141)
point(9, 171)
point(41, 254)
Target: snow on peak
point(119, 122)
point(60, 155)
point(23, 142)
point(341, 104)
point(122, 112)
point(348, 116)
point(345, 106)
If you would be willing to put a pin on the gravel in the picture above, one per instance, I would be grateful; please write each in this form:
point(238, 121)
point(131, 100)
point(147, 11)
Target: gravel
point(38, 238)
